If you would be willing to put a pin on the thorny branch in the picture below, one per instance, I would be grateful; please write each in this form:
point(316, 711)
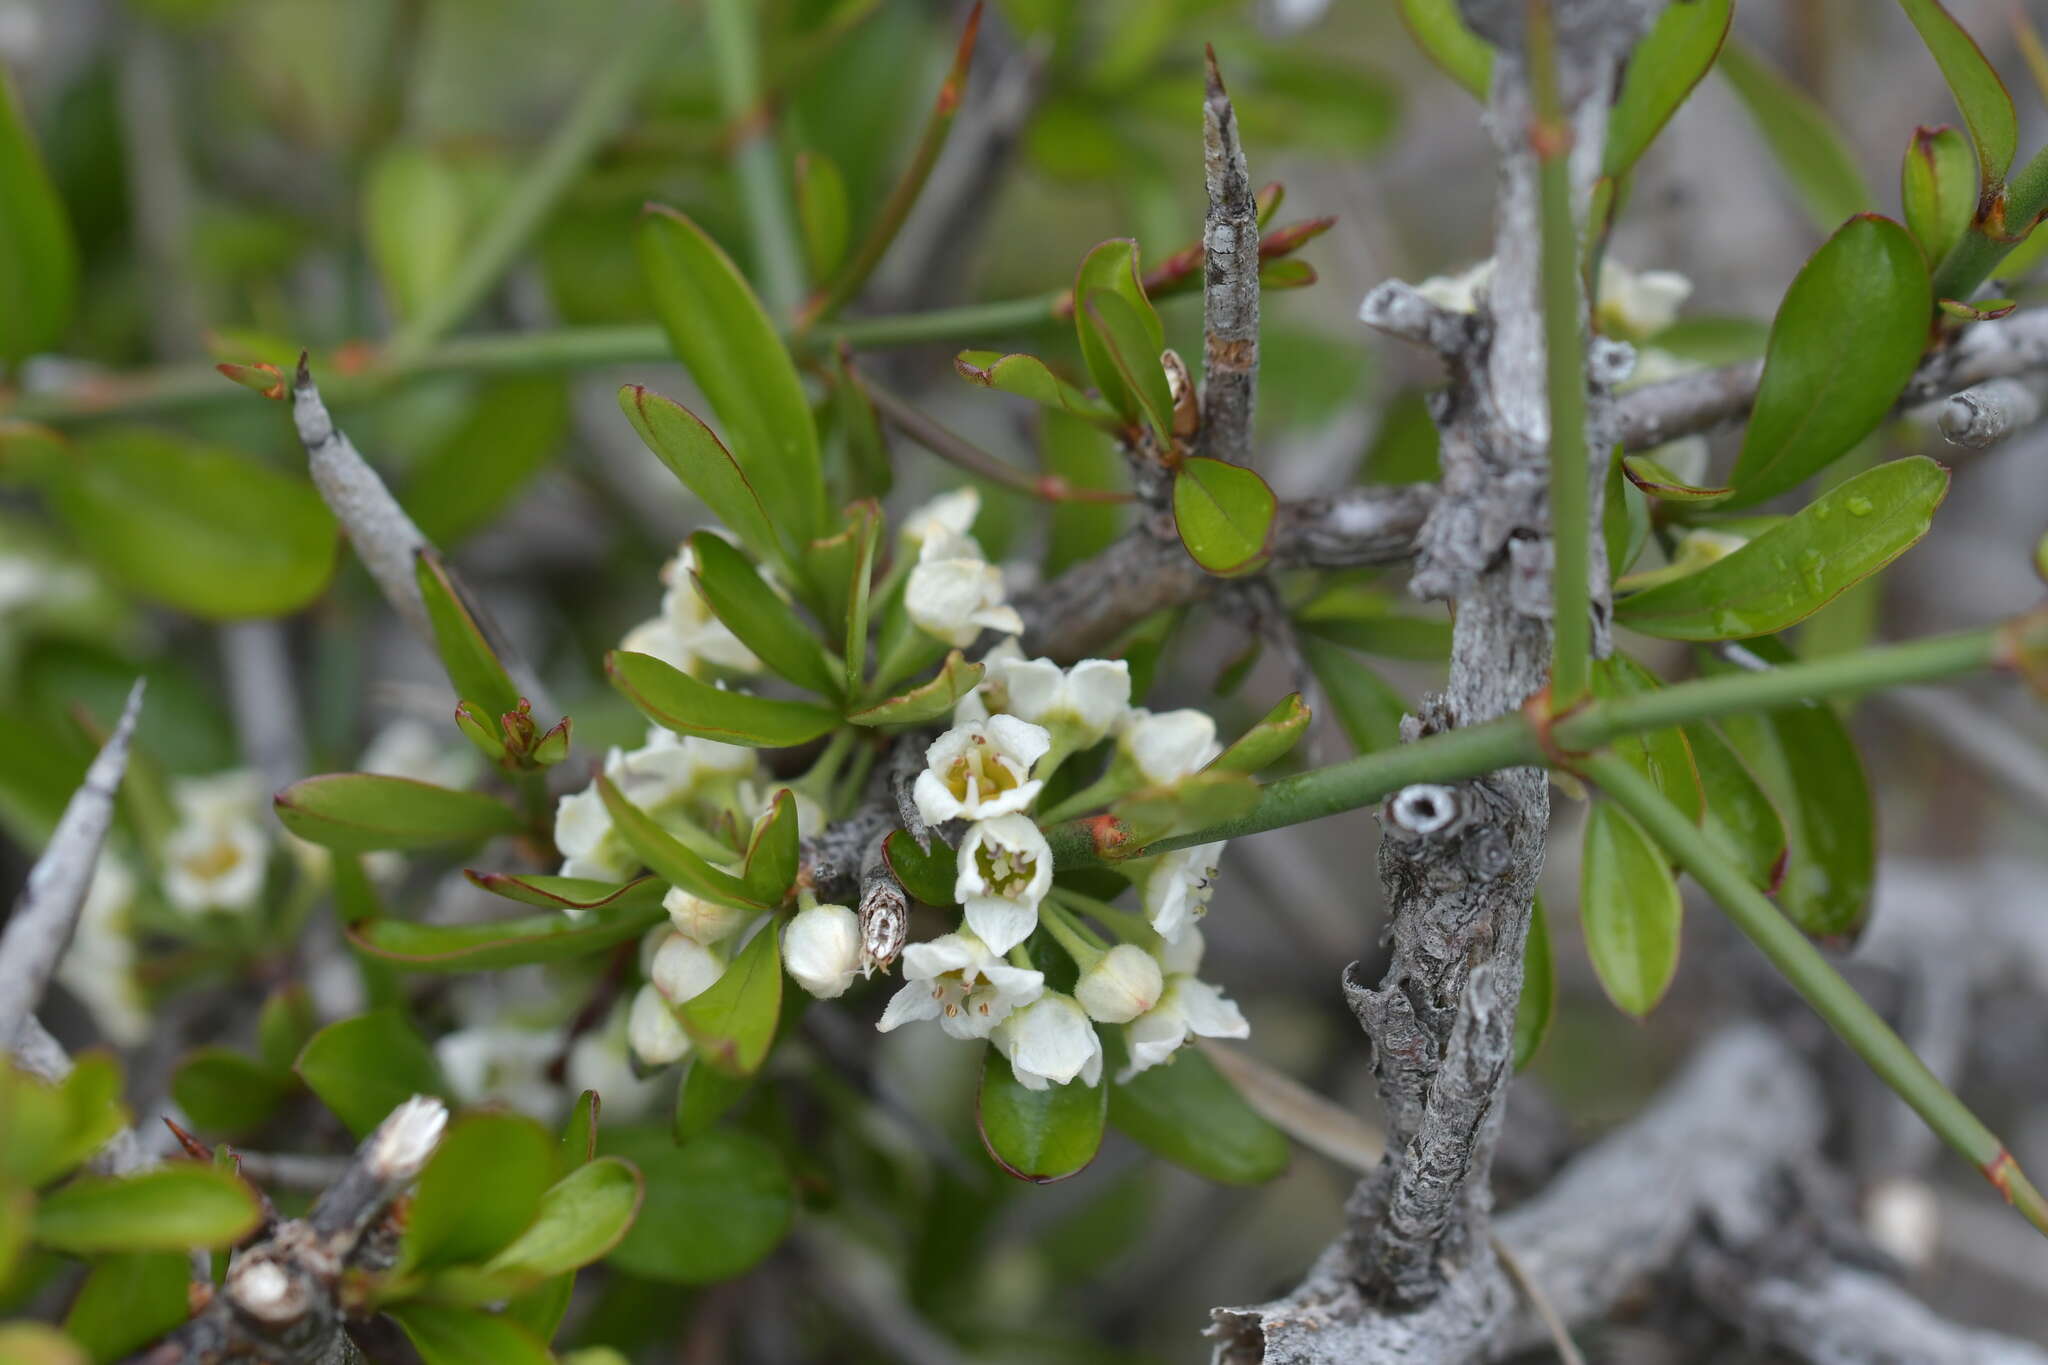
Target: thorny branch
point(1230, 283)
point(43, 920)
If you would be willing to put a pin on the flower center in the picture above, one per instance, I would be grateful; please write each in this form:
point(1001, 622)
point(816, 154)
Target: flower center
point(978, 773)
point(214, 862)
point(1005, 871)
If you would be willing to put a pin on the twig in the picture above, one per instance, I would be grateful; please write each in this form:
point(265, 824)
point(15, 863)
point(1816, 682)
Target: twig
point(40, 927)
point(1560, 1335)
point(291, 1170)
point(264, 698)
point(1230, 282)
point(884, 909)
point(957, 450)
point(1981, 417)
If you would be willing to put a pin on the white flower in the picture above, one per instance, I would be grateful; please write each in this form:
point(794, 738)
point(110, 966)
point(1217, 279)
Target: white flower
point(409, 747)
point(99, 966)
point(1461, 293)
point(1050, 1042)
point(949, 514)
point(684, 969)
point(1169, 745)
point(1186, 1006)
point(1082, 703)
point(705, 921)
point(652, 1031)
point(955, 593)
point(1005, 869)
point(688, 632)
point(958, 981)
point(821, 950)
point(505, 1065)
point(598, 1061)
point(583, 834)
point(662, 772)
point(980, 770)
point(1176, 887)
point(1123, 984)
point(1639, 304)
point(217, 856)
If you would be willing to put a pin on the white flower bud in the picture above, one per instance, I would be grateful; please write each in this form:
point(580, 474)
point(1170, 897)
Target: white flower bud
point(949, 514)
point(955, 594)
point(1169, 745)
point(652, 1031)
point(1050, 1042)
point(821, 950)
point(705, 921)
point(1121, 986)
point(684, 969)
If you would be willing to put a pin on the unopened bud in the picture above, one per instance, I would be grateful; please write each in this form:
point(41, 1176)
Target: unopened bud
point(1123, 984)
point(821, 950)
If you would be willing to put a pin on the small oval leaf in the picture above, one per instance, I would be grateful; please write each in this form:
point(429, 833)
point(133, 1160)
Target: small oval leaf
point(667, 696)
point(1629, 909)
point(1224, 513)
point(367, 812)
point(1038, 1135)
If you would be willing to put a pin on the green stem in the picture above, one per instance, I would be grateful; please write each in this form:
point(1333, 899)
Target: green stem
point(1970, 261)
point(1119, 779)
point(1831, 997)
point(1128, 925)
point(596, 115)
point(1570, 496)
point(184, 388)
point(1069, 934)
point(757, 161)
point(1514, 741)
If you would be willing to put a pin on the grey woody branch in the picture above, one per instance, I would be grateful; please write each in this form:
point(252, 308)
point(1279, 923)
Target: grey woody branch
point(43, 920)
point(283, 1299)
point(1230, 283)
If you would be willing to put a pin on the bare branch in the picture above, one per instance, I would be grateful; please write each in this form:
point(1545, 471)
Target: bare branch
point(264, 698)
point(40, 927)
point(1230, 283)
point(1981, 417)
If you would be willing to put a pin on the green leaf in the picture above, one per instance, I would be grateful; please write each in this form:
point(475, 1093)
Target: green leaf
point(366, 812)
point(1029, 377)
point(697, 457)
point(1658, 482)
point(170, 1208)
point(673, 698)
point(1188, 1113)
point(35, 1343)
point(497, 944)
point(1980, 94)
point(722, 335)
point(52, 1129)
point(668, 858)
point(1539, 988)
point(764, 623)
point(1740, 818)
point(930, 877)
point(515, 424)
point(1123, 335)
point(1809, 148)
point(579, 1134)
point(1440, 32)
point(480, 1190)
point(1715, 338)
point(1804, 760)
point(570, 893)
point(928, 700)
point(126, 1302)
point(1366, 619)
point(416, 224)
point(715, 1206)
point(1629, 909)
point(363, 1068)
point(821, 211)
point(1365, 706)
point(771, 864)
point(1663, 756)
point(446, 1334)
point(225, 1094)
point(1224, 513)
point(733, 1022)
point(38, 262)
point(1938, 189)
point(1800, 564)
point(1672, 58)
point(1038, 1135)
point(704, 1095)
point(1074, 451)
point(283, 1026)
point(198, 527)
point(1846, 339)
point(466, 653)
point(1113, 266)
point(581, 1218)
point(1267, 742)
point(1624, 519)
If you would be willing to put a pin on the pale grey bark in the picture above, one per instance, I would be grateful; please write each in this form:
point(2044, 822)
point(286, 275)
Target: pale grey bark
point(41, 925)
point(1980, 417)
point(263, 697)
point(1230, 284)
